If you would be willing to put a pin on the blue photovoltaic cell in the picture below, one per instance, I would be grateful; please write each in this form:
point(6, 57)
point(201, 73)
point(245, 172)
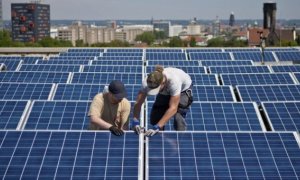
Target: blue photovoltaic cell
point(50, 68)
point(281, 49)
point(209, 93)
point(26, 59)
point(223, 156)
point(59, 115)
point(72, 58)
point(173, 63)
point(118, 63)
point(120, 58)
point(121, 50)
point(297, 75)
point(269, 93)
point(226, 63)
point(288, 55)
point(242, 50)
point(79, 54)
point(256, 79)
point(203, 50)
point(88, 91)
point(34, 77)
point(286, 68)
point(113, 69)
point(106, 78)
point(219, 116)
point(68, 155)
point(210, 56)
point(123, 54)
point(10, 115)
point(239, 69)
point(24, 91)
point(187, 69)
point(66, 62)
point(162, 50)
point(283, 116)
point(204, 79)
point(255, 56)
point(85, 50)
point(11, 65)
point(165, 56)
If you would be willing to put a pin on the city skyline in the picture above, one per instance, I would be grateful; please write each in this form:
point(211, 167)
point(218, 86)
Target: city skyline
point(161, 9)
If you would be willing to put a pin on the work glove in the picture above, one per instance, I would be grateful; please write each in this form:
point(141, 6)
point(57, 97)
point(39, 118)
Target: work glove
point(135, 126)
point(153, 131)
point(116, 131)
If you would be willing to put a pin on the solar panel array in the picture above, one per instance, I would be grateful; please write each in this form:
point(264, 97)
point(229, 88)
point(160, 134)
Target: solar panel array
point(243, 123)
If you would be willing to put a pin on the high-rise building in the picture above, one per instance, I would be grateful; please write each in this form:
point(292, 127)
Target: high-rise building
point(30, 21)
point(231, 19)
point(1, 16)
point(270, 16)
point(162, 26)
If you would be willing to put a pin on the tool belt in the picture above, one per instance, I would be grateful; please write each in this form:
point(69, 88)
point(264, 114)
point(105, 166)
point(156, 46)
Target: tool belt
point(186, 98)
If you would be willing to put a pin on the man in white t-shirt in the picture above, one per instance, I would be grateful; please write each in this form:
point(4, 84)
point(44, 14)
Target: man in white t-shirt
point(173, 88)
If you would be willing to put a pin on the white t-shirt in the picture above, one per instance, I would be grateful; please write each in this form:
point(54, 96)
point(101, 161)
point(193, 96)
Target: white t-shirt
point(177, 81)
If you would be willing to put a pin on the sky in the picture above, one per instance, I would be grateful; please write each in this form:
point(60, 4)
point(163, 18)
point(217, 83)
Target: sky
point(161, 9)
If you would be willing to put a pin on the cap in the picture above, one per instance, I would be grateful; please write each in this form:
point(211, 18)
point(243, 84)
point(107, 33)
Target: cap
point(154, 81)
point(117, 88)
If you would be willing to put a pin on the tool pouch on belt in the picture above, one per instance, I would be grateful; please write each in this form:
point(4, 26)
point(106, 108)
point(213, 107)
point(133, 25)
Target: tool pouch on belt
point(186, 99)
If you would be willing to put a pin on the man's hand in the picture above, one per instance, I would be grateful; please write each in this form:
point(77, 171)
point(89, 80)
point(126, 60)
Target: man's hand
point(135, 126)
point(116, 131)
point(153, 131)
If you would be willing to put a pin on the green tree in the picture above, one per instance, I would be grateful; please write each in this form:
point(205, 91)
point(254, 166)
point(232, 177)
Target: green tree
point(146, 37)
point(215, 42)
point(298, 40)
point(160, 35)
point(175, 42)
point(193, 42)
point(5, 39)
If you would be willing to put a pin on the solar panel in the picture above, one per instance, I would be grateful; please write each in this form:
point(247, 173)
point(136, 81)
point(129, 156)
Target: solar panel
point(187, 69)
point(210, 56)
point(256, 79)
point(50, 68)
point(164, 50)
point(58, 115)
point(34, 77)
point(123, 54)
point(204, 79)
point(239, 69)
point(120, 58)
point(111, 69)
point(68, 155)
point(72, 58)
point(118, 63)
point(25, 91)
point(204, 50)
point(282, 49)
point(106, 78)
point(283, 116)
point(269, 93)
point(121, 50)
point(288, 55)
point(88, 91)
point(226, 63)
point(11, 113)
point(297, 75)
point(173, 63)
point(219, 116)
point(242, 49)
point(12, 64)
point(79, 54)
point(66, 62)
point(223, 156)
point(286, 68)
point(85, 50)
point(255, 56)
point(165, 56)
point(209, 93)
